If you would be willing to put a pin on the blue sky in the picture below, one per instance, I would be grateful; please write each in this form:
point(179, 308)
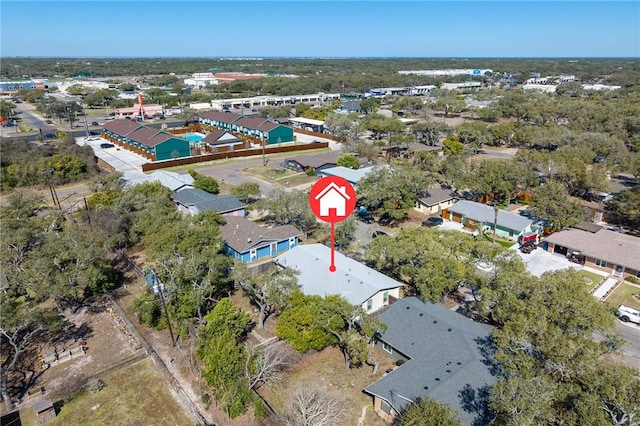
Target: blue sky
point(320, 29)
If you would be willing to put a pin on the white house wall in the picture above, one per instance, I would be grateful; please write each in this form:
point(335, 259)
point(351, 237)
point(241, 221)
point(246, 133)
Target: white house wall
point(378, 299)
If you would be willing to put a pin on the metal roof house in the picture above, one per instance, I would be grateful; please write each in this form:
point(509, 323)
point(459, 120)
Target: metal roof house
point(441, 354)
point(172, 180)
point(359, 284)
point(247, 241)
point(472, 214)
point(350, 175)
point(149, 142)
point(194, 201)
point(609, 251)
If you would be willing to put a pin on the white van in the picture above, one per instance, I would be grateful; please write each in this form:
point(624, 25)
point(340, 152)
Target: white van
point(627, 314)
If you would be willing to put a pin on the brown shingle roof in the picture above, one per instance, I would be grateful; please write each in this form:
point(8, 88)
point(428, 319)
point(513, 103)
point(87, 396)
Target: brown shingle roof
point(250, 123)
point(222, 117)
point(612, 247)
point(213, 138)
point(149, 136)
point(265, 127)
point(241, 234)
point(122, 126)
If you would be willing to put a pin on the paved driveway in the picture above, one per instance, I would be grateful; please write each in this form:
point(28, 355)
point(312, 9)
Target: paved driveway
point(539, 261)
point(124, 161)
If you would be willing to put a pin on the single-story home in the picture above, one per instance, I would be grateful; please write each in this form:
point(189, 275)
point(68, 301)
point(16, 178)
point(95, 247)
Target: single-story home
point(350, 175)
point(193, 201)
point(435, 201)
point(316, 162)
point(440, 354)
point(247, 241)
point(172, 180)
point(471, 214)
point(359, 284)
point(218, 138)
point(609, 251)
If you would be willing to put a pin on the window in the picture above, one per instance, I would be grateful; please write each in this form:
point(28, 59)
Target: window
point(385, 298)
point(601, 263)
point(274, 248)
point(385, 407)
point(387, 348)
point(369, 304)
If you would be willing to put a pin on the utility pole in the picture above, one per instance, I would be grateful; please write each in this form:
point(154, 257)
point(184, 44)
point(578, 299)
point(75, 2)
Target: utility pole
point(164, 307)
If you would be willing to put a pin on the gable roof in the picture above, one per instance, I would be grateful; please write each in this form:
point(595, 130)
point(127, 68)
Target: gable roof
point(350, 175)
point(171, 180)
point(241, 234)
point(251, 122)
point(446, 352)
point(484, 213)
point(149, 136)
point(352, 280)
point(434, 196)
point(219, 136)
point(316, 160)
point(268, 126)
point(203, 201)
point(613, 247)
point(222, 117)
point(122, 126)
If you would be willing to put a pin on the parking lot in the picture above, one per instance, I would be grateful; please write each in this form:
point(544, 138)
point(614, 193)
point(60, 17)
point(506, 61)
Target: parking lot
point(124, 161)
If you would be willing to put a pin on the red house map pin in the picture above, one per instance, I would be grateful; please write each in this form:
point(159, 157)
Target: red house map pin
point(332, 199)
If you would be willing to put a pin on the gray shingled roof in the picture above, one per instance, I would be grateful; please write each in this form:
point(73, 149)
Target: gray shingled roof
point(435, 196)
point(242, 235)
point(203, 201)
point(350, 175)
point(353, 280)
point(484, 213)
point(446, 351)
point(613, 247)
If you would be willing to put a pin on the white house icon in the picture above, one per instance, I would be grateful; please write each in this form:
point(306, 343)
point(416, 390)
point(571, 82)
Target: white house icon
point(333, 197)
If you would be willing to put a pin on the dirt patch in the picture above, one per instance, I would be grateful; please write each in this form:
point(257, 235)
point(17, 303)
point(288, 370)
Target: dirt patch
point(135, 395)
point(326, 368)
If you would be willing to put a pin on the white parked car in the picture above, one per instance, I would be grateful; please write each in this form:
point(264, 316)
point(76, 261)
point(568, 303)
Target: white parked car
point(627, 314)
point(93, 138)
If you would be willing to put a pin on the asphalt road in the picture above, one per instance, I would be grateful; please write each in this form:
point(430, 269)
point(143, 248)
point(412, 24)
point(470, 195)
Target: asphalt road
point(631, 333)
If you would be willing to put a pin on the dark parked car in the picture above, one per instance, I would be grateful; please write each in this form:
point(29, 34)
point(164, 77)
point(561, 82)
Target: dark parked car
point(385, 219)
point(433, 221)
point(48, 121)
point(49, 136)
point(95, 123)
point(95, 133)
point(379, 233)
point(364, 215)
point(106, 145)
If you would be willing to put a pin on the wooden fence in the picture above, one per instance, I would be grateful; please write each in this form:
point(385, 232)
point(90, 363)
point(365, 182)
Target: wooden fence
point(232, 154)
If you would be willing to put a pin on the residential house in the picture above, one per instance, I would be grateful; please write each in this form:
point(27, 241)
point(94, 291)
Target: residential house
point(247, 241)
point(472, 215)
point(172, 180)
point(435, 201)
point(219, 138)
point(219, 119)
point(194, 201)
point(440, 354)
point(359, 284)
point(609, 251)
point(350, 175)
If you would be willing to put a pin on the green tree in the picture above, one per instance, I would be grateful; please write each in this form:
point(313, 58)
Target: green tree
point(625, 206)
point(269, 291)
point(452, 146)
point(206, 183)
point(348, 160)
point(473, 134)
point(298, 324)
point(301, 109)
point(369, 105)
point(290, 207)
point(392, 190)
point(340, 125)
point(76, 90)
point(247, 192)
point(429, 133)
point(428, 412)
point(552, 203)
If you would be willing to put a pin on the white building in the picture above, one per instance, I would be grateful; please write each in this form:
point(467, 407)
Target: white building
point(548, 88)
point(464, 85)
point(449, 72)
point(359, 284)
point(201, 79)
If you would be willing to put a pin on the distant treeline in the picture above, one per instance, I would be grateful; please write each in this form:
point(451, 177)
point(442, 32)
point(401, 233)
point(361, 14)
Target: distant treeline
point(354, 74)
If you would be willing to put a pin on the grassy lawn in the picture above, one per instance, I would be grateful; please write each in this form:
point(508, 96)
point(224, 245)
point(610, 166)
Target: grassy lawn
point(297, 180)
point(622, 296)
point(135, 395)
point(591, 279)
